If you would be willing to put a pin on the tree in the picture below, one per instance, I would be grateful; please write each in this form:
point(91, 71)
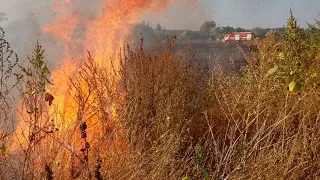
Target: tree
point(260, 32)
point(228, 29)
point(3, 17)
point(158, 27)
point(194, 35)
point(295, 61)
point(8, 64)
point(219, 33)
point(36, 125)
point(207, 29)
point(239, 29)
point(147, 33)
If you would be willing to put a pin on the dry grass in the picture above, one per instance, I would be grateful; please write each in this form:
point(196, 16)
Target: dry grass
point(176, 118)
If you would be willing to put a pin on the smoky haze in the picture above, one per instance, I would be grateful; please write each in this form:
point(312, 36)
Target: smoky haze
point(27, 17)
point(181, 16)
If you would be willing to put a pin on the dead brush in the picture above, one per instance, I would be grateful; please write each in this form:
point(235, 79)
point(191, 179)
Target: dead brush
point(8, 64)
point(161, 115)
point(164, 97)
point(258, 129)
point(162, 85)
point(49, 172)
point(35, 124)
point(80, 161)
point(97, 173)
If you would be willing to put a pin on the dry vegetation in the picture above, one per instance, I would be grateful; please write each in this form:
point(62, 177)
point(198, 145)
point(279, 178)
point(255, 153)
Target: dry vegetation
point(175, 118)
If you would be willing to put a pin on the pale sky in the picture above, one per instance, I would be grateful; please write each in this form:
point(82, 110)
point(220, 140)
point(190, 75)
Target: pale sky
point(246, 13)
point(262, 13)
point(243, 13)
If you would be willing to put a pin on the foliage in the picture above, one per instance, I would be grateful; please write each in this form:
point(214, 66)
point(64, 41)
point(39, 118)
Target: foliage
point(186, 178)
point(158, 27)
point(207, 29)
point(294, 56)
point(8, 64)
point(194, 35)
point(199, 165)
point(34, 122)
point(3, 17)
point(239, 29)
point(145, 31)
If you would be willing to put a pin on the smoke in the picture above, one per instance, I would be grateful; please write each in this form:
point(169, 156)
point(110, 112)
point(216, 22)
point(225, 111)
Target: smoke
point(181, 15)
point(23, 26)
point(27, 17)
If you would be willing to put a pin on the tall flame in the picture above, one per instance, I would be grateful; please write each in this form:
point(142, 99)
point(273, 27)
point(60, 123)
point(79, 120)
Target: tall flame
point(104, 35)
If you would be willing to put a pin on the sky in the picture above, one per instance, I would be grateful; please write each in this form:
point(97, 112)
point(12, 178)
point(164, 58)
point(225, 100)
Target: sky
point(22, 34)
point(236, 13)
point(243, 13)
point(262, 13)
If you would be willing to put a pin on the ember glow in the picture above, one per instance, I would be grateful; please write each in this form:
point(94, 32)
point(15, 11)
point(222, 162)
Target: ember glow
point(104, 36)
point(76, 99)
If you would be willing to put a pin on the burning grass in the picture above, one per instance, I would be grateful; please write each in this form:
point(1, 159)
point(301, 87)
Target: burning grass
point(164, 115)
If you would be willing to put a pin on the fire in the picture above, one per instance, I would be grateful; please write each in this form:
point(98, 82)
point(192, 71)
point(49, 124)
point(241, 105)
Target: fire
point(104, 35)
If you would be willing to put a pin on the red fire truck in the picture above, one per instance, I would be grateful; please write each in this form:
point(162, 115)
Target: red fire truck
point(238, 36)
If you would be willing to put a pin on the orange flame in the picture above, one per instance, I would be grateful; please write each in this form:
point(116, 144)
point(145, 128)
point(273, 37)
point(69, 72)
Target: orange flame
point(104, 37)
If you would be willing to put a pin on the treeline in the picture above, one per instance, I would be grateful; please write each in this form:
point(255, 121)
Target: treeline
point(208, 30)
